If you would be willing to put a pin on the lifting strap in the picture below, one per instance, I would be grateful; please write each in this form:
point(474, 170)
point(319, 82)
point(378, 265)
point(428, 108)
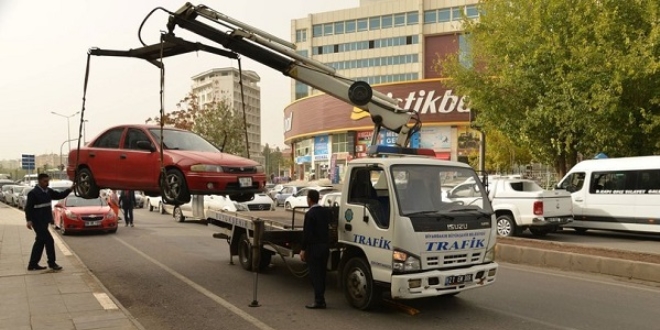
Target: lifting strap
point(82, 123)
point(162, 114)
point(245, 128)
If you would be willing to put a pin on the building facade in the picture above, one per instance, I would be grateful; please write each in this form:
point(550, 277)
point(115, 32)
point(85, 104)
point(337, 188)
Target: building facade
point(223, 83)
point(394, 46)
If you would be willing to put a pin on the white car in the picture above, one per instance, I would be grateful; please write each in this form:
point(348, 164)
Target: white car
point(155, 203)
point(331, 199)
point(213, 202)
point(261, 202)
point(300, 198)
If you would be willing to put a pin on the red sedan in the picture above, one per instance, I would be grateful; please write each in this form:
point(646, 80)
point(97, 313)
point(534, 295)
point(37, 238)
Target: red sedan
point(75, 214)
point(128, 157)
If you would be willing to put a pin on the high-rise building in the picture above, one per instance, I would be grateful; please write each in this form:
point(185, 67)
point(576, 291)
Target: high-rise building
point(219, 83)
point(394, 45)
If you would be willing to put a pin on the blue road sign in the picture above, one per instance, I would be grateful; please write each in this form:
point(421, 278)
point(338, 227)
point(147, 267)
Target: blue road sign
point(28, 162)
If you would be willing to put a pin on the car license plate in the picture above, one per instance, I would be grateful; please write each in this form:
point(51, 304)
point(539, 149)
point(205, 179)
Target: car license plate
point(92, 223)
point(457, 279)
point(245, 182)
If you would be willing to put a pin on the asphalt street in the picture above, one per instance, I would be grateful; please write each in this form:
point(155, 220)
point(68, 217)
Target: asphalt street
point(173, 275)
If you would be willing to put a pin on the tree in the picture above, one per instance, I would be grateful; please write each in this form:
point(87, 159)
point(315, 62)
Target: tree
point(564, 77)
point(502, 154)
point(216, 121)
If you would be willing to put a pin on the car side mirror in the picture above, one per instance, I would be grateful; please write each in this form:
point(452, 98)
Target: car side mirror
point(145, 145)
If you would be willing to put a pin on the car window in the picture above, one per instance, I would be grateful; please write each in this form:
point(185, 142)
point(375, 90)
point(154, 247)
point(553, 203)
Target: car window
point(133, 136)
point(109, 139)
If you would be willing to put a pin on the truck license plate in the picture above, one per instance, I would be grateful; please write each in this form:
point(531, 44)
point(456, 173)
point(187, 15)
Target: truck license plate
point(457, 279)
point(245, 182)
point(92, 223)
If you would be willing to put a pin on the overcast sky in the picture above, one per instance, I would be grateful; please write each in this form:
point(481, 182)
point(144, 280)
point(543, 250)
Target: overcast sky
point(43, 46)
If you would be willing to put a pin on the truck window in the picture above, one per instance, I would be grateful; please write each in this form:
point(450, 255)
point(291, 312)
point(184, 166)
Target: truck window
point(616, 182)
point(573, 182)
point(368, 187)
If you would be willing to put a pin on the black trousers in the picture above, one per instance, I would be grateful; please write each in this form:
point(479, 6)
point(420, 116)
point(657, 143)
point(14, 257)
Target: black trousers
point(317, 260)
point(128, 215)
point(43, 239)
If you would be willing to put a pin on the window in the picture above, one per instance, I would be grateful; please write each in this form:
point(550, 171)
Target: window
point(339, 27)
point(456, 13)
point(110, 139)
point(368, 187)
point(430, 16)
point(133, 137)
point(471, 11)
point(301, 35)
point(444, 15)
point(317, 30)
point(413, 18)
point(350, 26)
point(374, 23)
point(400, 19)
point(301, 90)
point(303, 52)
point(386, 21)
point(625, 182)
point(362, 25)
point(339, 143)
point(464, 51)
point(327, 29)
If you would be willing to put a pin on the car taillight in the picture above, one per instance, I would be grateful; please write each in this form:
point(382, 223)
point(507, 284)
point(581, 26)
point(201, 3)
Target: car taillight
point(538, 208)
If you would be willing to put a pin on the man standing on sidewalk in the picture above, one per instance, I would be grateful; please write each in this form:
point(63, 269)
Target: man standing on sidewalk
point(315, 247)
point(39, 214)
point(127, 202)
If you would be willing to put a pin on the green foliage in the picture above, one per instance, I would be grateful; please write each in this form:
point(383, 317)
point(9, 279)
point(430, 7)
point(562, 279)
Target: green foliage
point(502, 154)
point(565, 77)
point(216, 121)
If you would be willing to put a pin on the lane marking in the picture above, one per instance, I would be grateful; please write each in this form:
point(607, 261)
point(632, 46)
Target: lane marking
point(222, 302)
point(58, 242)
point(105, 301)
point(575, 276)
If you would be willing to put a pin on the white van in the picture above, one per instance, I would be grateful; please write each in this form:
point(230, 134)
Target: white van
point(615, 194)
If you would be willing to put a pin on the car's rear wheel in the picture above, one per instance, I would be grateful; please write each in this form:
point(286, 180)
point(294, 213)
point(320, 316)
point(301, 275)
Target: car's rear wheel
point(86, 186)
point(174, 188)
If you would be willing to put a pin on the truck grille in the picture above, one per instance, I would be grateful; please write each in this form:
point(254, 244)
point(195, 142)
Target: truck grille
point(441, 260)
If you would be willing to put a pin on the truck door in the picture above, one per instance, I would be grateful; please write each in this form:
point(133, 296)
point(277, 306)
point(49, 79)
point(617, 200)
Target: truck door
point(368, 218)
point(574, 183)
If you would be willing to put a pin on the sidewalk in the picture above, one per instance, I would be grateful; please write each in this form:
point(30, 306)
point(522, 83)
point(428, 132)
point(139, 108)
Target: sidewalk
point(69, 299)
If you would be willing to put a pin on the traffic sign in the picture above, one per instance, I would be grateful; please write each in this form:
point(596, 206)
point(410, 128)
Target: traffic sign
point(28, 162)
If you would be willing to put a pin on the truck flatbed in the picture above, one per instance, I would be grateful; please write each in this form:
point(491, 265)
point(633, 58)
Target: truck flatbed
point(273, 220)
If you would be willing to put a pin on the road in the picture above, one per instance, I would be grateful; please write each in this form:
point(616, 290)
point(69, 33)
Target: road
point(176, 276)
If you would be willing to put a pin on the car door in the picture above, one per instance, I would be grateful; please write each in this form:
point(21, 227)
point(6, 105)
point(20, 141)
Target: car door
point(300, 199)
point(103, 159)
point(139, 167)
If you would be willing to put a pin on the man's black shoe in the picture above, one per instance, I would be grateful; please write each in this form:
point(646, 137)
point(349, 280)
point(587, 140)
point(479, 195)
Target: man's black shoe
point(55, 267)
point(315, 306)
point(36, 267)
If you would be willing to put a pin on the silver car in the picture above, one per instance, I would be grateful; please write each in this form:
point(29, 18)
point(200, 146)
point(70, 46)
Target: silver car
point(285, 193)
point(22, 197)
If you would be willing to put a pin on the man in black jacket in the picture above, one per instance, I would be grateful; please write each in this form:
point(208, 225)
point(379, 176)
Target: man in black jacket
point(128, 202)
point(39, 214)
point(315, 247)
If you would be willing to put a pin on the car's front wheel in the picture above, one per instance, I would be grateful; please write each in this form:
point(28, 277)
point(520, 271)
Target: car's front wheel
point(86, 186)
point(174, 188)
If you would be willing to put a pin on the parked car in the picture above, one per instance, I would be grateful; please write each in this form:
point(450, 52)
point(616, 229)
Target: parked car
point(300, 198)
point(215, 202)
point(275, 190)
point(6, 191)
point(60, 186)
point(139, 199)
point(128, 157)
point(76, 214)
point(286, 192)
point(261, 202)
point(15, 192)
point(22, 197)
point(154, 203)
point(331, 199)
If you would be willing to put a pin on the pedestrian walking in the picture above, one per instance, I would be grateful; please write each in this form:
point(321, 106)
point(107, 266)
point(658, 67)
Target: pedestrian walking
point(315, 247)
point(127, 202)
point(39, 214)
point(113, 202)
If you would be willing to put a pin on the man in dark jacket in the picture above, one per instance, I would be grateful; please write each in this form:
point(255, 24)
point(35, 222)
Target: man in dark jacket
point(315, 247)
point(39, 214)
point(128, 202)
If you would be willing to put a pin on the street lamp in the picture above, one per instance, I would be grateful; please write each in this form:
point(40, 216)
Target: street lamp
point(62, 146)
point(68, 126)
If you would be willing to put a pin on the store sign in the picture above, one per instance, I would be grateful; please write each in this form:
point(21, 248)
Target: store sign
point(288, 122)
point(321, 147)
point(303, 159)
point(436, 138)
point(424, 102)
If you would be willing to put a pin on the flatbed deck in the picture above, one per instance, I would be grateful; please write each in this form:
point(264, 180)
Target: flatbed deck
point(273, 220)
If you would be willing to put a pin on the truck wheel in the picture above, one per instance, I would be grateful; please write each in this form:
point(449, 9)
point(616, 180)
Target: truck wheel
point(173, 187)
point(245, 252)
point(86, 185)
point(506, 226)
point(539, 232)
point(359, 288)
point(178, 214)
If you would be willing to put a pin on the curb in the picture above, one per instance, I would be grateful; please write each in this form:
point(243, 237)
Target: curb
point(576, 262)
point(96, 280)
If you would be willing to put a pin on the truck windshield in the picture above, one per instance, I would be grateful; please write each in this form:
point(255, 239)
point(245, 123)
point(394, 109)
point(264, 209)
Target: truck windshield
point(433, 190)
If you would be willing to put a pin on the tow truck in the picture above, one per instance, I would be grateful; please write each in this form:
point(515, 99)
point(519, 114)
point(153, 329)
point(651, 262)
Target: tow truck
point(392, 231)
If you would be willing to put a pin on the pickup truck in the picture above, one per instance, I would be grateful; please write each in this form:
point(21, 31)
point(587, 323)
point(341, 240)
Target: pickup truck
point(519, 204)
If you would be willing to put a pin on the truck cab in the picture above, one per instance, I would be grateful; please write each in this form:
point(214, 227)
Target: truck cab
point(397, 232)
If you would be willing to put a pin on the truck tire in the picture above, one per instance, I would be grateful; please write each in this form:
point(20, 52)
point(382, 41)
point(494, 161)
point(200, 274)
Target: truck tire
point(539, 232)
point(506, 226)
point(359, 288)
point(245, 254)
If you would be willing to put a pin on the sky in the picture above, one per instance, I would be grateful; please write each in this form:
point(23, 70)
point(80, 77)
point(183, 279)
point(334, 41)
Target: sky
point(43, 49)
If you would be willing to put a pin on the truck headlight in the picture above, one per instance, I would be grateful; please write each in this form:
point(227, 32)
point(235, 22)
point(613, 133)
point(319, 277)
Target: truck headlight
point(490, 255)
point(206, 168)
point(405, 262)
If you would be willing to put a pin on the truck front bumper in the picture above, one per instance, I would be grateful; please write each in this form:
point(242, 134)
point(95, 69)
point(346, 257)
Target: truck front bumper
point(441, 282)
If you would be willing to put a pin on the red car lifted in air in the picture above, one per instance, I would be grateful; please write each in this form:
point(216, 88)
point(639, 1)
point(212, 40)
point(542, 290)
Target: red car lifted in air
point(128, 157)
